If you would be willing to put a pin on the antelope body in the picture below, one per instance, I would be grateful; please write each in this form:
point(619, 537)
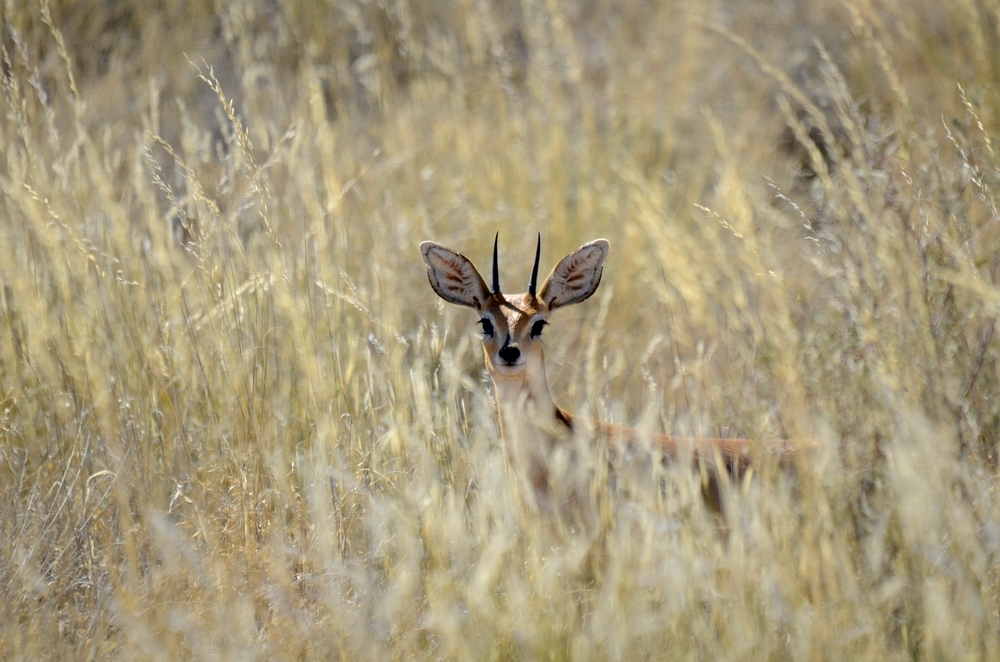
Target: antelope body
point(533, 428)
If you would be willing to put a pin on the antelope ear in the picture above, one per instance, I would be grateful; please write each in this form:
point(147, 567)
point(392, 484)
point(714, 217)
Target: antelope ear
point(453, 276)
point(577, 275)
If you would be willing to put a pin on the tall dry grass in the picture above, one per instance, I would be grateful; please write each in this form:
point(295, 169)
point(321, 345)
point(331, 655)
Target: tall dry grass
point(237, 423)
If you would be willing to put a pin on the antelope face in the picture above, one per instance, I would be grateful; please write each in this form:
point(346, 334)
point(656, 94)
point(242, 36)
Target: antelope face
point(512, 333)
point(512, 324)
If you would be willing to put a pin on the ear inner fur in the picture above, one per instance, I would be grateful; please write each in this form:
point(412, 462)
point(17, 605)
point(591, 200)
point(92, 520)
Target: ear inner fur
point(577, 275)
point(453, 276)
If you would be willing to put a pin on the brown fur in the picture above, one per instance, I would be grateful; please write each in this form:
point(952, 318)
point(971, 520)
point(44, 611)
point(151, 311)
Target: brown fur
point(735, 452)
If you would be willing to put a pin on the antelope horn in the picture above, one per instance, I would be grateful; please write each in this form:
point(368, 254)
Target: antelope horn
point(496, 267)
point(533, 283)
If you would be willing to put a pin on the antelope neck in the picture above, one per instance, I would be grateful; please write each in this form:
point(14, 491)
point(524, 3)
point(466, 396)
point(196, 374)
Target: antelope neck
point(525, 397)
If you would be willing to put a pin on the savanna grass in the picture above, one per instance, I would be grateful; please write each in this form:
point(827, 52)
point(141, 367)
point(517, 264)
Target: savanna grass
point(236, 422)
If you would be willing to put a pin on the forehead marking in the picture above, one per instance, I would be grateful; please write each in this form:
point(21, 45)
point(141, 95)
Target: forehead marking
point(508, 304)
point(519, 309)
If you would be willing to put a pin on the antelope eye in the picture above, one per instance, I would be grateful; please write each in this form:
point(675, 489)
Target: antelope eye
point(487, 327)
point(536, 328)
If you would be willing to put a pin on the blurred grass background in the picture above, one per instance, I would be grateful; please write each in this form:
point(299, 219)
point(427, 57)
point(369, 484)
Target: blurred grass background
point(237, 423)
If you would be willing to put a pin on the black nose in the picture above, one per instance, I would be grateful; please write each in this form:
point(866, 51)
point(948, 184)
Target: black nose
point(510, 354)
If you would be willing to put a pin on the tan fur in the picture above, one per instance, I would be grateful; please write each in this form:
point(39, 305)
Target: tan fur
point(535, 431)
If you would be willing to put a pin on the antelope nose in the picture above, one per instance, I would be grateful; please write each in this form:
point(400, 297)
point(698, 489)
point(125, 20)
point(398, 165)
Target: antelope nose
point(510, 353)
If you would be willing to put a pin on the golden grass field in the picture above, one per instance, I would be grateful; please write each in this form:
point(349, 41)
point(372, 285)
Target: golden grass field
point(237, 423)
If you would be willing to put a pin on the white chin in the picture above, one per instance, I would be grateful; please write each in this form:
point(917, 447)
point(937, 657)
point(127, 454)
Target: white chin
point(507, 370)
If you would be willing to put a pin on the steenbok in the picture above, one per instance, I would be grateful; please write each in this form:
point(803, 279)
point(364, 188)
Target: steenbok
point(537, 433)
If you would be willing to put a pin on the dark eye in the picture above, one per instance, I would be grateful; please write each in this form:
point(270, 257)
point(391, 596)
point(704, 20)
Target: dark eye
point(536, 328)
point(487, 327)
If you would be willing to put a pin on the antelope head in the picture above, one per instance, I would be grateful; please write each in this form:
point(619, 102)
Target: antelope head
point(513, 323)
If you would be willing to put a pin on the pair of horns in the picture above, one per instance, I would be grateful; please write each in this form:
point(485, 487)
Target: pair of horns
point(533, 283)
